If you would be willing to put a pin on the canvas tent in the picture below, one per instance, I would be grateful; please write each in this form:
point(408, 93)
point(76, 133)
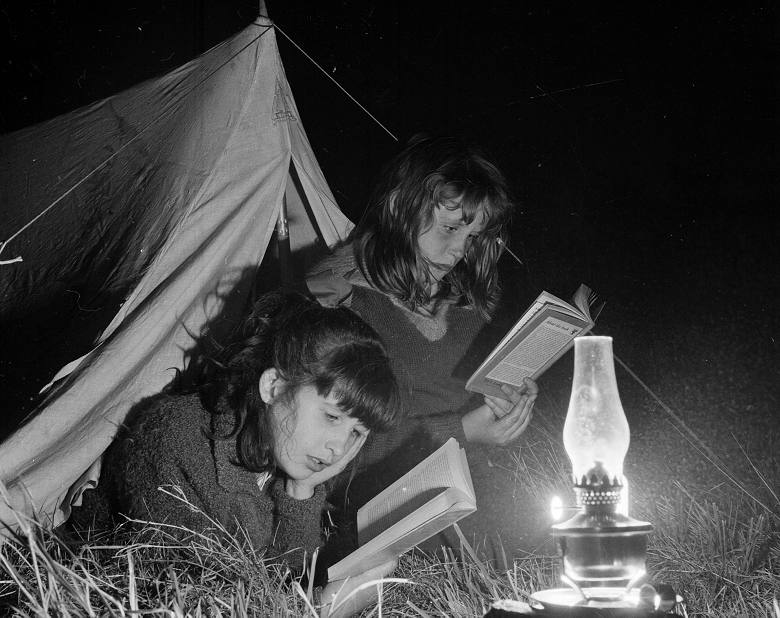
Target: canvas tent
point(169, 194)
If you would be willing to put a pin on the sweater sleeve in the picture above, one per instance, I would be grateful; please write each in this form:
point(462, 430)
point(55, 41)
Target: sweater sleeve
point(153, 486)
point(329, 289)
point(286, 528)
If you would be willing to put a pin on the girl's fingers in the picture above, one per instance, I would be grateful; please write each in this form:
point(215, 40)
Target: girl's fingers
point(519, 431)
point(521, 424)
point(339, 466)
point(512, 394)
point(497, 409)
point(517, 421)
point(518, 411)
point(504, 405)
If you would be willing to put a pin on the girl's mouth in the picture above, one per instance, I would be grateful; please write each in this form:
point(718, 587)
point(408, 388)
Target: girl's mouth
point(317, 464)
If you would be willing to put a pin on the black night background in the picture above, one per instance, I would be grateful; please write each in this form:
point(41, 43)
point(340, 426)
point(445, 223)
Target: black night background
point(640, 140)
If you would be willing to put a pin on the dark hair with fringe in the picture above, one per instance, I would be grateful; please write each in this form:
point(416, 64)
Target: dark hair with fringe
point(429, 172)
point(330, 349)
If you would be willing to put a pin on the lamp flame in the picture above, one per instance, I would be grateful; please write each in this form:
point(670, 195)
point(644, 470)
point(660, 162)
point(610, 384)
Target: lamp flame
point(556, 508)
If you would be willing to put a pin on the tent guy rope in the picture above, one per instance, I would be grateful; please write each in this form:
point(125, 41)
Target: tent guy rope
point(330, 77)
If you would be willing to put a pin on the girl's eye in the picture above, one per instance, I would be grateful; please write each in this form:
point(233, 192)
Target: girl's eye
point(450, 229)
point(357, 432)
point(331, 417)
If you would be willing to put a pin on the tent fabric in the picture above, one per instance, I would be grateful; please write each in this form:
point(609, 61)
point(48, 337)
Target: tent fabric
point(171, 190)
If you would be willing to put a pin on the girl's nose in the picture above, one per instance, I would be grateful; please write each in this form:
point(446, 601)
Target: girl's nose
point(336, 445)
point(458, 248)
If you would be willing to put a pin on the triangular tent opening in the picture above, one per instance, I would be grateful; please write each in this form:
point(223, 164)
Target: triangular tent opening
point(165, 196)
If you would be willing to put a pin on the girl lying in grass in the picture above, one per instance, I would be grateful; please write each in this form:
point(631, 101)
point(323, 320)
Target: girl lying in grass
point(274, 414)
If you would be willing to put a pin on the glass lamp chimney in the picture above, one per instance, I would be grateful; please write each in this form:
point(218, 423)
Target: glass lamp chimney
point(595, 434)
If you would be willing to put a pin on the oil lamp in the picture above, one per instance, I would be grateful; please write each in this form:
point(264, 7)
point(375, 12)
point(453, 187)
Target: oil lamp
point(601, 549)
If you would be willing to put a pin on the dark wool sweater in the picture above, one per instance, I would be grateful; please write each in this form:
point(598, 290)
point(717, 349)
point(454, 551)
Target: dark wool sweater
point(165, 445)
point(434, 353)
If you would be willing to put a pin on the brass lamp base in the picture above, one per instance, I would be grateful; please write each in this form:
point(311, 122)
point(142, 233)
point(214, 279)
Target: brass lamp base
point(600, 547)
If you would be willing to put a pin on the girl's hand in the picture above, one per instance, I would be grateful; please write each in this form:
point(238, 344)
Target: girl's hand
point(303, 489)
point(501, 421)
point(335, 592)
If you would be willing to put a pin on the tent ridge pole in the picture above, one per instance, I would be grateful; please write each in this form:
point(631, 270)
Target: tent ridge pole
point(283, 240)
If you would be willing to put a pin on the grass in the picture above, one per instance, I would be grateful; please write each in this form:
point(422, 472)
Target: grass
point(150, 571)
point(720, 549)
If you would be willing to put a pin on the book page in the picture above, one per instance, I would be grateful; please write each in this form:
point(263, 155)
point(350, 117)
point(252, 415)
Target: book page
point(464, 466)
point(544, 300)
point(415, 488)
point(538, 347)
point(415, 491)
point(430, 497)
point(583, 298)
point(542, 335)
point(449, 506)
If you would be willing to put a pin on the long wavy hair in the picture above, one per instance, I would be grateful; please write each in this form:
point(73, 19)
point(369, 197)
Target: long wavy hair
point(429, 172)
point(330, 349)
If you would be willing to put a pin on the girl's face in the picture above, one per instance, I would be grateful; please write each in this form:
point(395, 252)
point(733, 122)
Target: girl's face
point(312, 433)
point(448, 239)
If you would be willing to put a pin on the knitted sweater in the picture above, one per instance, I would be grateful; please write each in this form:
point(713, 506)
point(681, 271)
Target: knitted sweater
point(434, 353)
point(165, 446)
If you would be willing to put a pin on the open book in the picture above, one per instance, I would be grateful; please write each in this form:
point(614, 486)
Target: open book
point(436, 493)
point(539, 338)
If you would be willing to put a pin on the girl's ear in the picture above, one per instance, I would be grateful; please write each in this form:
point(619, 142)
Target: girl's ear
point(270, 382)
